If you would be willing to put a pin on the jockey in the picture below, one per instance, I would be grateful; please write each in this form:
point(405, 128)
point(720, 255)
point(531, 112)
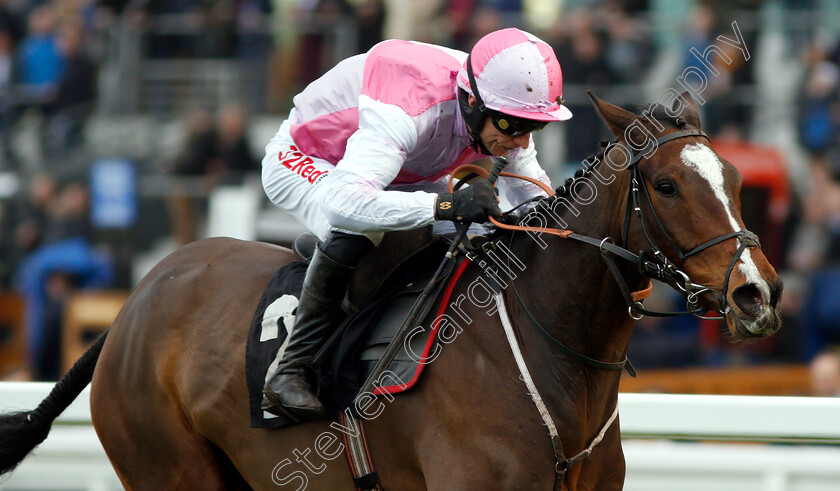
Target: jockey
point(367, 148)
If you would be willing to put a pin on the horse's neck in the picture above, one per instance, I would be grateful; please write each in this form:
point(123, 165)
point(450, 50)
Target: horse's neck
point(570, 272)
point(568, 289)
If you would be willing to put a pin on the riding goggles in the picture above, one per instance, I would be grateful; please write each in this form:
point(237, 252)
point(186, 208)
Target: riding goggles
point(513, 126)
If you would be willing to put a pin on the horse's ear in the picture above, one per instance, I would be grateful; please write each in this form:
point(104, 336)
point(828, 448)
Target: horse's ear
point(617, 119)
point(690, 113)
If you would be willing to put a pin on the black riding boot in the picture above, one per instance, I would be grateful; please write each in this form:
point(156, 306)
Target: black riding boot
point(289, 390)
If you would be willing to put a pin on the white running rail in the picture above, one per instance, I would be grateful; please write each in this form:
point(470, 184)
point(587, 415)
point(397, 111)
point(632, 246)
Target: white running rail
point(72, 457)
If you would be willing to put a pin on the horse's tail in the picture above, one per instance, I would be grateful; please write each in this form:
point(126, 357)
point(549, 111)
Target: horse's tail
point(20, 432)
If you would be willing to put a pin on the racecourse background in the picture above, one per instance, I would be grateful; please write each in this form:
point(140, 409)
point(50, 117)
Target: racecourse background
point(138, 126)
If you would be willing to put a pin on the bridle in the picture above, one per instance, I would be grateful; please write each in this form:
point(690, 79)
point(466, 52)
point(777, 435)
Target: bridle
point(661, 268)
point(658, 266)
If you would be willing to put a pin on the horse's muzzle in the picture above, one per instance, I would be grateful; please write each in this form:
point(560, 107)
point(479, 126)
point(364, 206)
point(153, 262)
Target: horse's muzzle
point(753, 315)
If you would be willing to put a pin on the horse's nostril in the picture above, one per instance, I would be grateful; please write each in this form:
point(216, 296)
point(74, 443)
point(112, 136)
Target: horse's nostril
point(748, 299)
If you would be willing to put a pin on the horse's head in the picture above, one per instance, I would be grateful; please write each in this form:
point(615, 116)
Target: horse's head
point(686, 207)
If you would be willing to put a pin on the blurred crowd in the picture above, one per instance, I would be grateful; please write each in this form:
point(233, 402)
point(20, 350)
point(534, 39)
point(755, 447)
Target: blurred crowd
point(46, 68)
point(48, 74)
point(52, 54)
point(813, 259)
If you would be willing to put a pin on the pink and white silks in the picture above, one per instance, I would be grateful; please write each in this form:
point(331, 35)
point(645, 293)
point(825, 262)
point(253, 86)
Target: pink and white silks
point(368, 145)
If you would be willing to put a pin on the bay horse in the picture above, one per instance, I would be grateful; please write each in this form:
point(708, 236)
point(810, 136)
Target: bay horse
point(524, 398)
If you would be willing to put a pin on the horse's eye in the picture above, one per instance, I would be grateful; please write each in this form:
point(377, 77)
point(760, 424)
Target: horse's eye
point(666, 188)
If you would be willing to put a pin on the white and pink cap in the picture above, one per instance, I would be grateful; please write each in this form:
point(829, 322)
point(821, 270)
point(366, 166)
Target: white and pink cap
point(518, 74)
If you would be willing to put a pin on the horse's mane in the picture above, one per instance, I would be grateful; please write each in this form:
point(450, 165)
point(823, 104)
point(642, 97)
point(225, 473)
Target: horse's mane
point(656, 110)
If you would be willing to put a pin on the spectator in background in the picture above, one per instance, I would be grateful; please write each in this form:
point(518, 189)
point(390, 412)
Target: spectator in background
point(629, 50)
point(370, 21)
point(699, 33)
point(422, 21)
point(814, 257)
point(40, 64)
point(74, 98)
point(253, 39)
point(217, 151)
point(27, 219)
point(484, 21)
point(314, 53)
point(580, 49)
point(509, 12)
point(816, 242)
point(66, 261)
point(173, 42)
point(235, 159)
point(229, 28)
point(7, 100)
point(319, 18)
point(457, 17)
point(191, 161)
point(39, 67)
point(115, 7)
point(102, 21)
point(729, 108)
point(198, 145)
point(214, 153)
point(10, 23)
point(818, 123)
point(825, 374)
point(218, 38)
point(726, 110)
point(33, 214)
point(253, 48)
point(10, 34)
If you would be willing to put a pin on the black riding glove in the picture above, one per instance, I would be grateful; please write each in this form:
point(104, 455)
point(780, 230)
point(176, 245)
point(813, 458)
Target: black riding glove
point(473, 203)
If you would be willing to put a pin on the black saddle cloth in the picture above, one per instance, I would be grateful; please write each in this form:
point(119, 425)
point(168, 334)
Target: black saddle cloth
point(352, 352)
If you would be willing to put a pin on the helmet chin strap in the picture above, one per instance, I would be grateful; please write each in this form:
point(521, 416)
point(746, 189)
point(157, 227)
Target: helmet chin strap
point(473, 115)
point(474, 120)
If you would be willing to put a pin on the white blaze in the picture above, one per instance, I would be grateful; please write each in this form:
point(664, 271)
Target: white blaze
point(705, 162)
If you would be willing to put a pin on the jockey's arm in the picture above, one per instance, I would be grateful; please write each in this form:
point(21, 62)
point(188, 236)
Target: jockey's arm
point(354, 196)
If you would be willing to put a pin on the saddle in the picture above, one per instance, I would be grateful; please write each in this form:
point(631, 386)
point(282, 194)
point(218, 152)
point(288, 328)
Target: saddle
point(395, 249)
point(382, 291)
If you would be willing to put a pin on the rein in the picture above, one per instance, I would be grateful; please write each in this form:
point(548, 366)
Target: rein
point(635, 297)
point(660, 267)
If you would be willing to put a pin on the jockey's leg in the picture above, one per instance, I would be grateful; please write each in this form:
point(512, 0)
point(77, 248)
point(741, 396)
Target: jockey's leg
point(292, 180)
point(290, 389)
